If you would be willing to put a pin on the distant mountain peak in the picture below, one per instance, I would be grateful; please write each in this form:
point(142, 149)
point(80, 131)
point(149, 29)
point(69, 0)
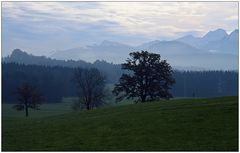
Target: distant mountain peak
point(18, 52)
point(215, 35)
point(234, 36)
point(219, 30)
point(234, 32)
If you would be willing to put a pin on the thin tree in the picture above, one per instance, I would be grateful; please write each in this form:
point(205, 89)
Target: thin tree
point(149, 78)
point(28, 97)
point(90, 84)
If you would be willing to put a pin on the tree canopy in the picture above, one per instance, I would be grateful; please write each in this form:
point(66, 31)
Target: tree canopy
point(90, 84)
point(28, 97)
point(149, 78)
point(47, 80)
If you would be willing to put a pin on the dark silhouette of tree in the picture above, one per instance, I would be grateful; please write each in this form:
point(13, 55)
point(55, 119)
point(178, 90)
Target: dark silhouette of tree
point(28, 97)
point(149, 78)
point(90, 84)
point(48, 78)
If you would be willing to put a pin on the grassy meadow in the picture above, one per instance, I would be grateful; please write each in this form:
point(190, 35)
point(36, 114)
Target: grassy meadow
point(175, 125)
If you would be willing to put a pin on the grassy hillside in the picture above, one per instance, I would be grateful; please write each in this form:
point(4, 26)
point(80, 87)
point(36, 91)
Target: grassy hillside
point(186, 125)
point(51, 109)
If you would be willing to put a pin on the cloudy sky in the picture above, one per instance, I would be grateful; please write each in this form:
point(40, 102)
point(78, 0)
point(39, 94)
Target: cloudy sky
point(43, 27)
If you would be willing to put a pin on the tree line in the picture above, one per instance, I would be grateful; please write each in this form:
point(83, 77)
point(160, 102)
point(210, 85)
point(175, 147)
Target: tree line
point(145, 77)
point(112, 71)
point(188, 83)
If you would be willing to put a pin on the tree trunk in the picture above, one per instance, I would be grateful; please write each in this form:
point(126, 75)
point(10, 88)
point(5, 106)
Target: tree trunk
point(143, 97)
point(88, 106)
point(26, 106)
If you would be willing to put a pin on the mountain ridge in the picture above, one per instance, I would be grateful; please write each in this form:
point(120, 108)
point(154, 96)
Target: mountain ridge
point(219, 53)
point(179, 62)
point(217, 41)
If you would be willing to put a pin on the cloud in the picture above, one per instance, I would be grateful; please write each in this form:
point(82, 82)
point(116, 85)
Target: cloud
point(92, 21)
point(233, 17)
point(132, 17)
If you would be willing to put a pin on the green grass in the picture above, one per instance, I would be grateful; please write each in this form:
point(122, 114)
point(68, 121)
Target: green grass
point(45, 110)
point(176, 125)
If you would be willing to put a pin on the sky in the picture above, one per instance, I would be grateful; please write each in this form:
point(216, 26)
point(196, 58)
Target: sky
point(43, 27)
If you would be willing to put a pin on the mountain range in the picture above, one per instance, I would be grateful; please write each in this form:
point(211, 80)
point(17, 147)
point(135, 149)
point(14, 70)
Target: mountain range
point(216, 50)
point(217, 41)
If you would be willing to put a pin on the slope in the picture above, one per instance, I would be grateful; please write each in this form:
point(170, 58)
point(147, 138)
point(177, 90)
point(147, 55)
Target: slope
point(186, 125)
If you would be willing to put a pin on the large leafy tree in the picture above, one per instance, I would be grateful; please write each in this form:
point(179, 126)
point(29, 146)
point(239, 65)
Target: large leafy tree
point(90, 84)
point(28, 97)
point(149, 78)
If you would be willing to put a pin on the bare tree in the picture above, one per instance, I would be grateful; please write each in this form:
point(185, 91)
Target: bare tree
point(28, 97)
point(90, 84)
